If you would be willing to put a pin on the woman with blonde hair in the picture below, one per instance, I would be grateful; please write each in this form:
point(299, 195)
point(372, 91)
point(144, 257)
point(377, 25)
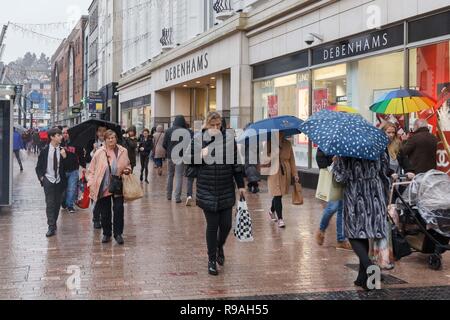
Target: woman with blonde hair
point(108, 165)
point(280, 182)
point(216, 185)
point(397, 161)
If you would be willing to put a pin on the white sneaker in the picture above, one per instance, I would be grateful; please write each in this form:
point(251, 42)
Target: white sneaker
point(281, 224)
point(189, 202)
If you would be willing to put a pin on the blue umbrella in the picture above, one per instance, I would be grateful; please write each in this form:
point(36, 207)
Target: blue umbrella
point(289, 125)
point(345, 135)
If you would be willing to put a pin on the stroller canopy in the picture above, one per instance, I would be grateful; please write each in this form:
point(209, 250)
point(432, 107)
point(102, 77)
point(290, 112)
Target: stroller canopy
point(430, 193)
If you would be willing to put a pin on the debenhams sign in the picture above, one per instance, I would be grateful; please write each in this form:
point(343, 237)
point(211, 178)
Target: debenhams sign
point(358, 45)
point(187, 67)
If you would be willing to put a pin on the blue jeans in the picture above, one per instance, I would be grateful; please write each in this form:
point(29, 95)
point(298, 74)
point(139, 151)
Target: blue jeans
point(72, 188)
point(332, 208)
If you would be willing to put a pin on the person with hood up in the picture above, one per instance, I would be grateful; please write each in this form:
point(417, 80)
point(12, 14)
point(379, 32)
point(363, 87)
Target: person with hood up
point(176, 170)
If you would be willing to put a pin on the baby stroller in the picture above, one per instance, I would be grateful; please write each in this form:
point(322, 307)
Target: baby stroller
point(425, 214)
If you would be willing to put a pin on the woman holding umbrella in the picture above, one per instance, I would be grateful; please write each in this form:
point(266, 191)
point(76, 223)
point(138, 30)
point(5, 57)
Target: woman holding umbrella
point(362, 167)
point(280, 181)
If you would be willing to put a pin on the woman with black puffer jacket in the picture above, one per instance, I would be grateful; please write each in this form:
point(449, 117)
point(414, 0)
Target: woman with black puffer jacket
point(217, 177)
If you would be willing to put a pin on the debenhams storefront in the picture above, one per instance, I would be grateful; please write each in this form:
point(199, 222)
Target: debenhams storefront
point(354, 70)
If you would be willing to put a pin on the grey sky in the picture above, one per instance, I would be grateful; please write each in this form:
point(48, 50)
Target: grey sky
point(37, 12)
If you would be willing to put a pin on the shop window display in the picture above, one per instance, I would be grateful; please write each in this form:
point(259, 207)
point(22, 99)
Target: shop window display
point(286, 95)
point(429, 68)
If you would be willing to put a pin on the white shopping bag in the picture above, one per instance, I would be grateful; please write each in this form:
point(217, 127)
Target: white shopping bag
point(243, 230)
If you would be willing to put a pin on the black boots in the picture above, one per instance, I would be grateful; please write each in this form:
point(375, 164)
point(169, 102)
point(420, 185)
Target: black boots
point(220, 257)
point(212, 268)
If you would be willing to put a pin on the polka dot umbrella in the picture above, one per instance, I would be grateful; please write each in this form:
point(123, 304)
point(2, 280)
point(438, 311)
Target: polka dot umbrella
point(345, 135)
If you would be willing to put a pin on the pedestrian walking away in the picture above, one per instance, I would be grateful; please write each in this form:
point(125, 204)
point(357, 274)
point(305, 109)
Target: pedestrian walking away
point(159, 153)
point(51, 175)
point(333, 207)
point(108, 165)
point(216, 189)
point(17, 146)
point(175, 170)
point(366, 189)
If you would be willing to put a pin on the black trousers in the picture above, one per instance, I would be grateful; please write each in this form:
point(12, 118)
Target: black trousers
point(361, 248)
point(96, 213)
point(104, 206)
point(145, 159)
point(217, 230)
point(53, 195)
point(17, 153)
point(277, 206)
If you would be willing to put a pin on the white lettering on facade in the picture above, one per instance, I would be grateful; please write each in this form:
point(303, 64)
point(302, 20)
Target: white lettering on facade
point(187, 68)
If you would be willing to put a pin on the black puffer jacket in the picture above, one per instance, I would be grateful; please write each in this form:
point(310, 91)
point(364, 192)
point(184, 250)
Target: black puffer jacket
point(216, 183)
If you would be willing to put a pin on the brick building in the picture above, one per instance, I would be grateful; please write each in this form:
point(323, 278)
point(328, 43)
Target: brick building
point(68, 77)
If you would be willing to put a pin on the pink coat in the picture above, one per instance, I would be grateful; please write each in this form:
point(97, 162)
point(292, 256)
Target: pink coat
point(99, 165)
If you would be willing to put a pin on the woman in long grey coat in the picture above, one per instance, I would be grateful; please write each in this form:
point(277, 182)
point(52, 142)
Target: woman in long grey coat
point(366, 188)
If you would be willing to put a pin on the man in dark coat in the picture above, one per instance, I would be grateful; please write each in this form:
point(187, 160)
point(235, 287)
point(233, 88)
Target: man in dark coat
point(176, 170)
point(421, 148)
point(51, 175)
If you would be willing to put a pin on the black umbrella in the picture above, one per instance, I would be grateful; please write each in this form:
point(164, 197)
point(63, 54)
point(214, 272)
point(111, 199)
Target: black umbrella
point(82, 134)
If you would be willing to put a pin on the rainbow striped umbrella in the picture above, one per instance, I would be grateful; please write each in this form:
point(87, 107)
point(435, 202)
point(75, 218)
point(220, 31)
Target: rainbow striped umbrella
point(403, 101)
point(345, 109)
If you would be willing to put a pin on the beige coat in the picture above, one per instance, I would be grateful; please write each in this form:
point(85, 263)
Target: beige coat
point(99, 165)
point(279, 183)
point(158, 140)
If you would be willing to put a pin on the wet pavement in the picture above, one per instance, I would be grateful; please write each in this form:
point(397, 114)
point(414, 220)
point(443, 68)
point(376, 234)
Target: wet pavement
point(164, 256)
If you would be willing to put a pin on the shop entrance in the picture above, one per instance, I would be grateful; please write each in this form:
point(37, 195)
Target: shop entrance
point(203, 101)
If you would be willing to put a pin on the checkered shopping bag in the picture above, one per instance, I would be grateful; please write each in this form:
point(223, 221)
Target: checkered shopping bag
point(243, 230)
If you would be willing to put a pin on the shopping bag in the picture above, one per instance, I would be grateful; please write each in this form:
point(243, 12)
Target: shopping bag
point(243, 230)
point(328, 189)
point(83, 193)
point(132, 189)
point(297, 195)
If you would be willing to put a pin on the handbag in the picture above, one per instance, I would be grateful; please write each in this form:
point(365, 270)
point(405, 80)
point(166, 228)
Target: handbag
point(83, 191)
point(132, 189)
point(297, 195)
point(400, 245)
point(115, 183)
point(328, 189)
point(243, 230)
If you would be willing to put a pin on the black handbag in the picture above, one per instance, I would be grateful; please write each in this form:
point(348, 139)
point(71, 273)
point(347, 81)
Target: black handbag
point(115, 184)
point(400, 246)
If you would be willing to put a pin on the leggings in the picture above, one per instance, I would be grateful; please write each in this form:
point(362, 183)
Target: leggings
point(144, 165)
point(277, 206)
point(361, 248)
point(218, 228)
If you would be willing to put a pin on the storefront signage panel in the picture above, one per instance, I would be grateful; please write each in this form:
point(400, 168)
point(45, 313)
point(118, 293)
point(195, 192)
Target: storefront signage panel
point(188, 67)
point(367, 43)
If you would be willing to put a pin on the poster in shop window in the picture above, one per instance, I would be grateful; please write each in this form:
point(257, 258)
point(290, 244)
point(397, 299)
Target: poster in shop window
point(320, 101)
point(272, 106)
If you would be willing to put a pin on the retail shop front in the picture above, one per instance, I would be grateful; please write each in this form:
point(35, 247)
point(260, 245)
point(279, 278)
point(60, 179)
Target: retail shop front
point(7, 95)
point(216, 77)
point(354, 71)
